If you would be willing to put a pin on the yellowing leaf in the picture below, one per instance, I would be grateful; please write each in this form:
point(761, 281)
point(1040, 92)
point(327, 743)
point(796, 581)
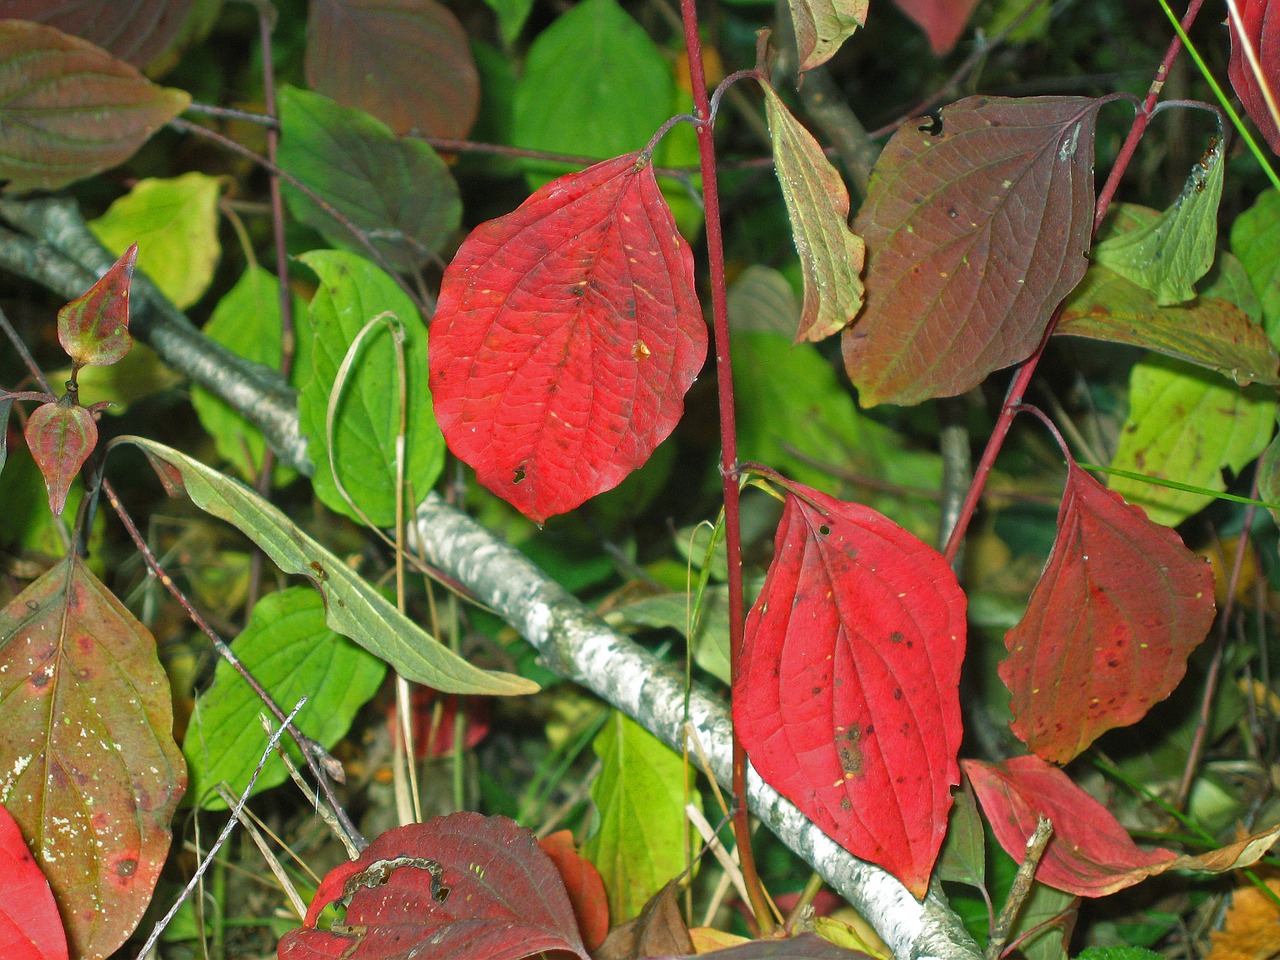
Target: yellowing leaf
point(823, 25)
point(1249, 931)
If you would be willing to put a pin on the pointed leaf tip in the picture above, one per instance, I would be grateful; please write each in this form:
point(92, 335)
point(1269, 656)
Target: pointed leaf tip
point(94, 328)
point(60, 436)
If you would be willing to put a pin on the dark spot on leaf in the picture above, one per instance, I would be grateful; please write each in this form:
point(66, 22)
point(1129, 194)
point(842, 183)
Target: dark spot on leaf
point(321, 574)
point(848, 750)
point(824, 529)
point(846, 804)
point(518, 476)
point(40, 679)
point(897, 693)
point(896, 637)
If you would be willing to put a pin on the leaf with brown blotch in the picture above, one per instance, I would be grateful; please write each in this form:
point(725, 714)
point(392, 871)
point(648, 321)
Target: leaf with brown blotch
point(847, 693)
point(1108, 629)
point(941, 20)
point(1090, 854)
point(976, 226)
point(822, 26)
point(1261, 22)
point(831, 254)
point(68, 109)
point(60, 435)
point(91, 775)
point(30, 928)
point(136, 31)
point(94, 327)
point(566, 336)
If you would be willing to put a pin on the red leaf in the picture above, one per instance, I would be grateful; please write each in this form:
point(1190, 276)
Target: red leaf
point(584, 884)
point(60, 436)
point(30, 928)
point(135, 31)
point(435, 739)
point(566, 336)
point(1119, 608)
point(464, 887)
point(941, 20)
point(976, 227)
point(847, 695)
point(94, 328)
point(1262, 27)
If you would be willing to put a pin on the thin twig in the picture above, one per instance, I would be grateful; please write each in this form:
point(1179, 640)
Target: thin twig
point(1021, 888)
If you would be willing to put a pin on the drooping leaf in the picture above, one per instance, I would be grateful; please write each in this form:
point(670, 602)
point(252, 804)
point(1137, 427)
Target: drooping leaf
point(352, 607)
point(847, 690)
point(92, 775)
point(69, 110)
point(658, 929)
point(818, 204)
point(1186, 424)
point(1175, 248)
point(822, 26)
point(1262, 28)
point(291, 652)
point(455, 887)
point(94, 327)
point(1090, 855)
point(175, 226)
point(1119, 608)
point(367, 421)
point(583, 884)
point(60, 436)
point(136, 31)
point(640, 797)
point(397, 190)
point(964, 852)
point(566, 335)
point(30, 928)
point(941, 20)
point(1255, 239)
point(407, 62)
point(975, 232)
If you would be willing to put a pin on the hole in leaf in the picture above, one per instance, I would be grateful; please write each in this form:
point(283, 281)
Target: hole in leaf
point(519, 475)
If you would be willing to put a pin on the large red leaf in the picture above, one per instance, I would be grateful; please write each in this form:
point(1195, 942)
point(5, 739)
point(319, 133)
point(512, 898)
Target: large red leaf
point(847, 693)
point(88, 766)
point(135, 31)
point(1108, 629)
point(566, 335)
point(30, 928)
point(1261, 21)
point(976, 226)
point(1090, 854)
point(941, 20)
point(462, 887)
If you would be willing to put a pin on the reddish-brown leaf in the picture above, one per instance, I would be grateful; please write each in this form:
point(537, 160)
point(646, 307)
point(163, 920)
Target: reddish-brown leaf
point(976, 226)
point(407, 62)
point(584, 885)
point(847, 694)
point(30, 928)
point(463, 887)
point(566, 335)
point(94, 328)
point(91, 772)
point(1261, 23)
point(60, 436)
point(941, 20)
point(136, 31)
point(1108, 629)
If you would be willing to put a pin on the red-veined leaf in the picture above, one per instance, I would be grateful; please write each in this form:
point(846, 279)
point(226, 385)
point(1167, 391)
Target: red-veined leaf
point(1108, 629)
point(941, 20)
point(136, 31)
point(1090, 854)
point(60, 436)
point(1261, 24)
point(464, 887)
point(93, 775)
point(583, 883)
point(94, 328)
point(30, 928)
point(847, 696)
point(976, 227)
point(566, 335)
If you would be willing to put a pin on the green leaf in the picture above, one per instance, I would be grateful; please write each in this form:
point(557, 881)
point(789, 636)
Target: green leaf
point(822, 26)
point(1269, 476)
point(291, 652)
point(710, 645)
point(69, 110)
point(1255, 239)
point(175, 225)
point(1186, 424)
point(831, 255)
point(963, 857)
point(1170, 253)
point(511, 17)
point(640, 797)
point(352, 292)
point(353, 608)
point(1118, 953)
point(397, 191)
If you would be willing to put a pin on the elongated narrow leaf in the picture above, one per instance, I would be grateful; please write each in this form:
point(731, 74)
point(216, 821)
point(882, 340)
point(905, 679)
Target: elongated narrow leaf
point(566, 336)
point(941, 20)
point(462, 887)
point(69, 110)
point(353, 608)
point(30, 928)
point(136, 31)
point(822, 26)
point(1261, 24)
point(818, 205)
point(91, 774)
point(1119, 608)
point(94, 327)
point(1090, 855)
point(60, 436)
point(976, 227)
point(847, 695)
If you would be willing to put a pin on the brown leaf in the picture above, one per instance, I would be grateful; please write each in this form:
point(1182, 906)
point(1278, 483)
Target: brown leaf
point(136, 31)
point(1251, 930)
point(94, 327)
point(658, 931)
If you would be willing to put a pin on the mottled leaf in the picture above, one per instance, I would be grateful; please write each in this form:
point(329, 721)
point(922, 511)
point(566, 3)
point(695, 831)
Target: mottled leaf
point(60, 435)
point(1119, 608)
point(1255, 239)
point(1261, 25)
point(818, 205)
point(30, 928)
point(566, 335)
point(94, 328)
point(396, 190)
point(941, 20)
point(822, 26)
point(456, 887)
point(136, 31)
point(69, 110)
point(583, 884)
point(91, 773)
point(976, 227)
point(407, 62)
point(847, 693)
